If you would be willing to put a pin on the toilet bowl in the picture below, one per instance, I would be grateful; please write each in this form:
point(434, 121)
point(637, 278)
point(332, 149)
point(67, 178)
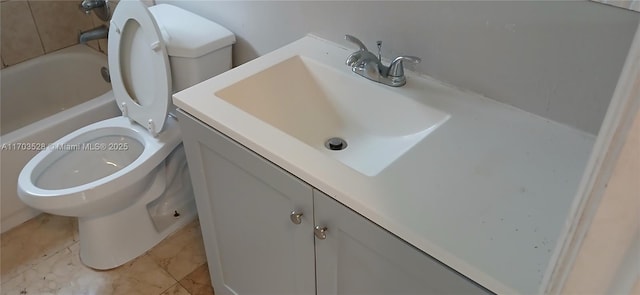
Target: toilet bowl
point(126, 178)
point(95, 170)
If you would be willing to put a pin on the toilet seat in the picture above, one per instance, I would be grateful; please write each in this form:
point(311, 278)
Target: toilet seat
point(105, 194)
point(139, 66)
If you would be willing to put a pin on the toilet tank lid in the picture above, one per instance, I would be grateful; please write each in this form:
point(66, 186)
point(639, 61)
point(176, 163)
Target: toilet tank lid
point(187, 34)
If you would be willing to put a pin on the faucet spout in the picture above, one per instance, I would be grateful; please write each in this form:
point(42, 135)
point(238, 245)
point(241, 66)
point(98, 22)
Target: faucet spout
point(101, 32)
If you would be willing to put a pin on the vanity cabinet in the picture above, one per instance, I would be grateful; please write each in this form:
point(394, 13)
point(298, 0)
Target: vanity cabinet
point(267, 232)
point(244, 205)
point(359, 257)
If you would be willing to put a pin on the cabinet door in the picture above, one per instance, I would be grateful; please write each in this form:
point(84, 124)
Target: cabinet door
point(359, 257)
point(244, 205)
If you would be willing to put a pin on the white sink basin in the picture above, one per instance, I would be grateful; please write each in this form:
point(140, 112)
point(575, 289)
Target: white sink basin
point(313, 100)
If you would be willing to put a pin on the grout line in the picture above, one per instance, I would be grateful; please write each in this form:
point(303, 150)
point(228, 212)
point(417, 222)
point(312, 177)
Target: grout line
point(183, 287)
point(44, 51)
point(167, 289)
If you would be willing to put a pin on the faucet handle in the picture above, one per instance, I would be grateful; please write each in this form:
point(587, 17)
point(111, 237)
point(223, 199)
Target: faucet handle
point(353, 58)
point(355, 41)
point(396, 69)
point(87, 5)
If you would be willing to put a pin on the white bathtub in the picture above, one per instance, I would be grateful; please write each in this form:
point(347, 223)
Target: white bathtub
point(42, 100)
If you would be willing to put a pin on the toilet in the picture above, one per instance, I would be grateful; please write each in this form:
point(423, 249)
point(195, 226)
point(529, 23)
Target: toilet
point(126, 178)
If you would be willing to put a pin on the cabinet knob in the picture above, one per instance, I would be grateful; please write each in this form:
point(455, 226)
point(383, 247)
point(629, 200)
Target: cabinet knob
point(320, 232)
point(296, 217)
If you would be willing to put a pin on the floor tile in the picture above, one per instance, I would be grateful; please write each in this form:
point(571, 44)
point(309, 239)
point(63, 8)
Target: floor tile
point(198, 282)
point(176, 289)
point(41, 257)
point(63, 273)
point(182, 252)
point(36, 239)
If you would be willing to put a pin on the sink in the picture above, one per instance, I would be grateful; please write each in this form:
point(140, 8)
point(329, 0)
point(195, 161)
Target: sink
point(287, 104)
point(313, 101)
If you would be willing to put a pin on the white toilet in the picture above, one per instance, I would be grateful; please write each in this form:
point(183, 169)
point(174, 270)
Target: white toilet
point(126, 178)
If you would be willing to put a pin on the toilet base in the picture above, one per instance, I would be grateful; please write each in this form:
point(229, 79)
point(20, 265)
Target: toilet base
point(112, 240)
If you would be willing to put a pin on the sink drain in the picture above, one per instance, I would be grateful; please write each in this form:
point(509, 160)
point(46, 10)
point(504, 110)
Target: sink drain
point(335, 144)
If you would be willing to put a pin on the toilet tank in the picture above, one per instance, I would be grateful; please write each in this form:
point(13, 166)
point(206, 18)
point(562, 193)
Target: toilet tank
point(198, 48)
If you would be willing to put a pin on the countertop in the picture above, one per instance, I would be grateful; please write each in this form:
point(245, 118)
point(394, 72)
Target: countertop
point(486, 193)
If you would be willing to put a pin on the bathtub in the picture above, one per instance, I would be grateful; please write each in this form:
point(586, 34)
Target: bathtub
point(42, 100)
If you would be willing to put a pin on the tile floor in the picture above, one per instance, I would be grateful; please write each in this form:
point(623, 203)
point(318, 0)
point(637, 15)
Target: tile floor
point(41, 257)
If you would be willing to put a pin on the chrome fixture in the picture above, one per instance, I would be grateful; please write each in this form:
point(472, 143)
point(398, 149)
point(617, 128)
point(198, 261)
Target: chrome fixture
point(101, 32)
point(296, 217)
point(370, 66)
point(320, 232)
point(99, 7)
point(335, 144)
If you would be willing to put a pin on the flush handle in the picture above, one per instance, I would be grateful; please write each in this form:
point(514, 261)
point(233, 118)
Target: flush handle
point(296, 217)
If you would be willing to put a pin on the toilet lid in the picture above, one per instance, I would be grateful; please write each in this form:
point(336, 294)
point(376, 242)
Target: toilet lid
point(139, 65)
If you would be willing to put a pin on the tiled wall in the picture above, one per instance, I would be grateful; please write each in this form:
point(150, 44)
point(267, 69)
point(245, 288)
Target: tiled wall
point(36, 27)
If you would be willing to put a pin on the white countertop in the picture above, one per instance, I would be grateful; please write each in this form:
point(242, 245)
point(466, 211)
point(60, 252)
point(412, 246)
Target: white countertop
point(486, 193)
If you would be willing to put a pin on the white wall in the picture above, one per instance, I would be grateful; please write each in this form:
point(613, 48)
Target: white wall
point(608, 260)
point(557, 59)
point(601, 254)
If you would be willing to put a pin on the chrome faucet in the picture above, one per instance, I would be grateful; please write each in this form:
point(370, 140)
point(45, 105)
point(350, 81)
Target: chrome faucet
point(102, 11)
point(99, 7)
point(101, 32)
point(366, 64)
